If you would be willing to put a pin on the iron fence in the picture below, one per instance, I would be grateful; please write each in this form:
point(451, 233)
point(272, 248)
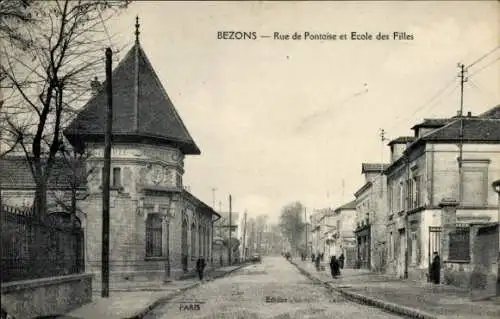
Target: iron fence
point(32, 248)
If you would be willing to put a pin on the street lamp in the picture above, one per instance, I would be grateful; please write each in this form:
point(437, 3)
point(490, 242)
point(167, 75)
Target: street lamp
point(496, 188)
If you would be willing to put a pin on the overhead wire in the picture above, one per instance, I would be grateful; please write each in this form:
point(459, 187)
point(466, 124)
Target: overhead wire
point(482, 57)
point(484, 67)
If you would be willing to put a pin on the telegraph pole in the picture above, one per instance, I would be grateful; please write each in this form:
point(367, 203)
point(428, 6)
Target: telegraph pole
point(463, 79)
point(244, 236)
point(305, 223)
point(230, 222)
point(106, 180)
point(213, 196)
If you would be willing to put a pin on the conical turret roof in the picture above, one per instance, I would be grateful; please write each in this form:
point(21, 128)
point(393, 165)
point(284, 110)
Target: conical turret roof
point(142, 109)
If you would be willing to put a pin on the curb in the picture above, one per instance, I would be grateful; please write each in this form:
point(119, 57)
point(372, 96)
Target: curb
point(362, 299)
point(141, 313)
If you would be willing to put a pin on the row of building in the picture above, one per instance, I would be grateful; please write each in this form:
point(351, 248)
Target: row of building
point(435, 195)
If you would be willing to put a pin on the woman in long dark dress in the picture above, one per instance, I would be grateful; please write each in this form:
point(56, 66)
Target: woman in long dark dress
point(435, 271)
point(341, 261)
point(334, 267)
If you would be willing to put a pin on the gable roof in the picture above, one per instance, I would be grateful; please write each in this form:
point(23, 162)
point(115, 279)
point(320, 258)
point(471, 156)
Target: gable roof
point(200, 204)
point(15, 173)
point(351, 205)
point(493, 113)
point(402, 140)
point(432, 123)
point(142, 109)
point(373, 167)
point(474, 130)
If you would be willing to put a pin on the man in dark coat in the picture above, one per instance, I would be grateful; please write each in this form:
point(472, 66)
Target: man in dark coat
point(334, 267)
point(312, 258)
point(435, 269)
point(200, 267)
point(317, 262)
point(341, 261)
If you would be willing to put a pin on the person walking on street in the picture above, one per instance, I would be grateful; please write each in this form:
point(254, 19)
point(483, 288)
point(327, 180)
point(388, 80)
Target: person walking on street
point(200, 267)
point(435, 269)
point(334, 267)
point(341, 261)
point(312, 258)
point(317, 262)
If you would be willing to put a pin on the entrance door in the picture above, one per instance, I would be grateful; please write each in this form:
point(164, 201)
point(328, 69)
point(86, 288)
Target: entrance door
point(401, 257)
point(434, 242)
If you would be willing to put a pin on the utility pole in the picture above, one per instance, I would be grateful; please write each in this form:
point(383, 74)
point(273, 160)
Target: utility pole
point(382, 139)
point(343, 189)
point(463, 79)
point(305, 223)
point(230, 224)
point(244, 236)
point(213, 196)
point(106, 179)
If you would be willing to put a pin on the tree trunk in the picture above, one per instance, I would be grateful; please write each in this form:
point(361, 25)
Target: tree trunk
point(40, 201)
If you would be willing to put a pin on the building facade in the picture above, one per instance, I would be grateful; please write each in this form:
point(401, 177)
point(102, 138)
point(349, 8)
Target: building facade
point(371, 213)
point(455, 158)
point(157, 228)
point(344, 240)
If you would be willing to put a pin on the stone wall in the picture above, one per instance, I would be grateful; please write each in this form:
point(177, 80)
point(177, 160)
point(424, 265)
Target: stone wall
point(481, 272)
point(457, 273)
point(46, 296)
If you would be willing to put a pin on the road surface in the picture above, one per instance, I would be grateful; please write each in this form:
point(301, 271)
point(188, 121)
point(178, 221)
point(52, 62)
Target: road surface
point(273, 289)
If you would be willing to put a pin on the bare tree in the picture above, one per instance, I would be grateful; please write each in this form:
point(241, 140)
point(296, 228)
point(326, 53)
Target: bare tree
point(49, 79)
point(74, 175)
point(14, 13)
point(291, 223)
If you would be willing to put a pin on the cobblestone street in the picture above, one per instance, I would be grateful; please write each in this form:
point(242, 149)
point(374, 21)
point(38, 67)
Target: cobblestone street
point(273, 289)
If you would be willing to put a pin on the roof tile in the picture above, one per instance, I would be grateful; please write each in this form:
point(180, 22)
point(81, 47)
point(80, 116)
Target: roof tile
point(15, 173)
point(153, 116)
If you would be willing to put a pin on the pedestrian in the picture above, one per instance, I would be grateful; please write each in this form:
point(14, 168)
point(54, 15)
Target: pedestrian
point(312, 258)
point(435, 269)
point(341, 261)
point(200, 267)
point(317, 261)
point(334, 267)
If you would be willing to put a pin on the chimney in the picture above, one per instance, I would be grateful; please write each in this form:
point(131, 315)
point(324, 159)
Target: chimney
point(95, 85)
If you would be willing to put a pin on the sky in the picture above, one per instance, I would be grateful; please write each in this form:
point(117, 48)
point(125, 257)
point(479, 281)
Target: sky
point(279, 121)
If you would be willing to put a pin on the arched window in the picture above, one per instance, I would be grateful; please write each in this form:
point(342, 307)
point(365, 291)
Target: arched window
point(193, 240)
point(154, 232)
point(200, 237)
point(203, 241)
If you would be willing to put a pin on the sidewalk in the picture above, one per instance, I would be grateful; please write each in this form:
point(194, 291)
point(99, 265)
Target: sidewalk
point(134, 301)
point(412, 298)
